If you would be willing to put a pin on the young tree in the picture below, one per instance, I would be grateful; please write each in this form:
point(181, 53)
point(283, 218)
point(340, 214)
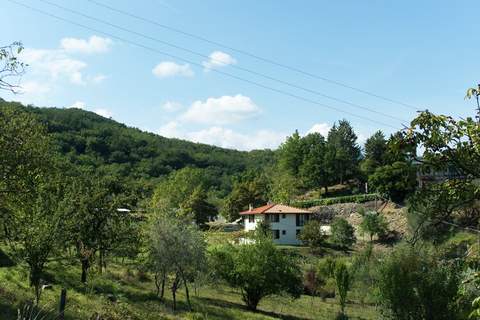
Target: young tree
point(176, 249)
point(258, 270)
point(343, 233)
point(343, 282)
point(373, 223)
point(312, 234)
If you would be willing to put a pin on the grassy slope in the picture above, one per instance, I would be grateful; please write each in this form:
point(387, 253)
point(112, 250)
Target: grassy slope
point(136, 299)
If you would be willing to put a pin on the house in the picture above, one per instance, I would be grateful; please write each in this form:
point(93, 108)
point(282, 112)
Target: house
point(285, 221)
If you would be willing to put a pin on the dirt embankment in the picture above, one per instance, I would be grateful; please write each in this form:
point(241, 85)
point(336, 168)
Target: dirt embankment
point(394, 214)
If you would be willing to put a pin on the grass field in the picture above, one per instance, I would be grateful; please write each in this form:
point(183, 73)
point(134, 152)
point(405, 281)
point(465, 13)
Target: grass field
point(135, 298)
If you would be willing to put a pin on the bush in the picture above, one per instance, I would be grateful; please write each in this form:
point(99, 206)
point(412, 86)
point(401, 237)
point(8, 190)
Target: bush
point(312, 235)
point(343, 233)
point(373, 223)
point(360, 198)
point(413, 284)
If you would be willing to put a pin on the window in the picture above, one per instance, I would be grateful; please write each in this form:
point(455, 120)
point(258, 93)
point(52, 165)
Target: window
point(284, 216)
point(297, 232)
point(302, 219)
point(276, 234)
point(284, 232)
point(273, 217)
point(251, 218)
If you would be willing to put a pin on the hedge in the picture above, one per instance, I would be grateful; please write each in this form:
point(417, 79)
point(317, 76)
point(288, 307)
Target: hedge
point(359, 198)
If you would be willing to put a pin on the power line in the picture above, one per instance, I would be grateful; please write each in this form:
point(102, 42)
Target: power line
point(252, 55)
point(285, 93)
point(232, 66)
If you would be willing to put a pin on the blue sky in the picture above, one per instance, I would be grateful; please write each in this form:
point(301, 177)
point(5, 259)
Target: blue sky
point(423, 53)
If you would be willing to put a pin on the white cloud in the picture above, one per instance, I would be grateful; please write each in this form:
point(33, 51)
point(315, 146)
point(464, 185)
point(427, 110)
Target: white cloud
point(172, 106)
point(218, 59)
point(78, 105)
point(321, 128)
point(94, 44)
point(224, 137)
point(222, 110)
point(170, 69)
point(99, 78)
point(104, 113)
point(54, 64)
point(34, 88)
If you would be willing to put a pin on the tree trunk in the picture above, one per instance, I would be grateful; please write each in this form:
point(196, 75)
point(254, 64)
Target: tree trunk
point(85, 266)
point(326, 190)
point(164, 279)
point(157, 285)
point(174, 292)
point(187, 294)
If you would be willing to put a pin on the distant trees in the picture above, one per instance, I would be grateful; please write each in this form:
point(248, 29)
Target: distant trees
point(396, 181)
point(375, 150)
point(258, 270)
point(343, 233)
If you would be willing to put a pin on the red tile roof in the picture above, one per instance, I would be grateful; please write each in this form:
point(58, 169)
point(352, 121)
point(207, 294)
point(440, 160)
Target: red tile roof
point(275, 208)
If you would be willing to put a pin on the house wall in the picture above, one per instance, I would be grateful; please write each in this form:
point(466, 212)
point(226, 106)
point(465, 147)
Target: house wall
point(287, 224)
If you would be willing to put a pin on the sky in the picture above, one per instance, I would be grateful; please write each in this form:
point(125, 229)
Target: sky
point(421, 53)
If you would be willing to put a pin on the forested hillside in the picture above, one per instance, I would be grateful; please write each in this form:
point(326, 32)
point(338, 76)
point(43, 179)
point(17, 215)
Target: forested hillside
point(111, 148)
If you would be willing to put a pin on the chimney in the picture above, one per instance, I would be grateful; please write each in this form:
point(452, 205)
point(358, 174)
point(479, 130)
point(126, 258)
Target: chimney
point(250, 207)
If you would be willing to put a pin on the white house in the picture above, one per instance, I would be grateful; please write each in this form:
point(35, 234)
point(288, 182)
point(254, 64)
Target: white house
point(285, 221)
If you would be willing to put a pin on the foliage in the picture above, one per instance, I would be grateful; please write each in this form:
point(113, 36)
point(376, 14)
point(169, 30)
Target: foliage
point(176, 249)
point(375, 150)
point(312, 235)
point(373, 223)
point(414, 284)
point(359, 198)
point(396, 181)
point(258, 270)
point(343, 281)
point(343, 233)
point(11, 66)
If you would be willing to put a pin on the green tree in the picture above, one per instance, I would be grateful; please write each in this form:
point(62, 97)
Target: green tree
point(312, 234)
point(176, 249)
point(343, 153)
point(375, 150)
point(373, 223)
point(343, 282)
point(312, 171)
point(198, 207)
point(413, 284)
point(291, 154)
point(396, 181)
point(343, 233)
point(258, 270)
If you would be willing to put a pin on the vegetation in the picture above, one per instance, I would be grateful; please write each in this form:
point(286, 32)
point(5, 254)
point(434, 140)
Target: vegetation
point(312, 234)
point(258, 270)
point(373, 223)
point(343, 233)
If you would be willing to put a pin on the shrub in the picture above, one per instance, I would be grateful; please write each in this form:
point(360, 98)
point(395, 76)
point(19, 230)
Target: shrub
point(343, 233)
point(343, 281)
point(312, 235)
point(373, 223)
point(360, 198)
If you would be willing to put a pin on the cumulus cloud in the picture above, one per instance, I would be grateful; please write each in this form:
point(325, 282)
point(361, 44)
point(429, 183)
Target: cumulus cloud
point(218, 59)
point(222, 110)
point(170, 69)
point(321, 128)
point(104, 113)
point(172, 106)
point(94, 44)
point(224, 137)
point(78, 105)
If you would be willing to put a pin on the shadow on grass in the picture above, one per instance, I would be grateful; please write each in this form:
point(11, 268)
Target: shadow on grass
point(235, 305)
point(5, 261)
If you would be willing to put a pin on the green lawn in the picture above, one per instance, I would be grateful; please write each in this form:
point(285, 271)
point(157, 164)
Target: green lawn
point(136, 300)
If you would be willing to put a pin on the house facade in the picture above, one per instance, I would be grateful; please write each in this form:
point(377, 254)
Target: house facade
point(285, 221)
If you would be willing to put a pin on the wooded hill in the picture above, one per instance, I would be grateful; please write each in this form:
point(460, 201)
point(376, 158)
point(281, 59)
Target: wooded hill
point(89, 140)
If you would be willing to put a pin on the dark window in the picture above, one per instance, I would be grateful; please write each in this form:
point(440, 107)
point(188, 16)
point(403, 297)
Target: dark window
point(302, 219)
point(276, 234)
point(284, 216)
point(251, 218)
point(284, 232)
point(275, 218)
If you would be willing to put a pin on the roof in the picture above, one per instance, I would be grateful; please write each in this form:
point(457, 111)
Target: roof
point(275, 208)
